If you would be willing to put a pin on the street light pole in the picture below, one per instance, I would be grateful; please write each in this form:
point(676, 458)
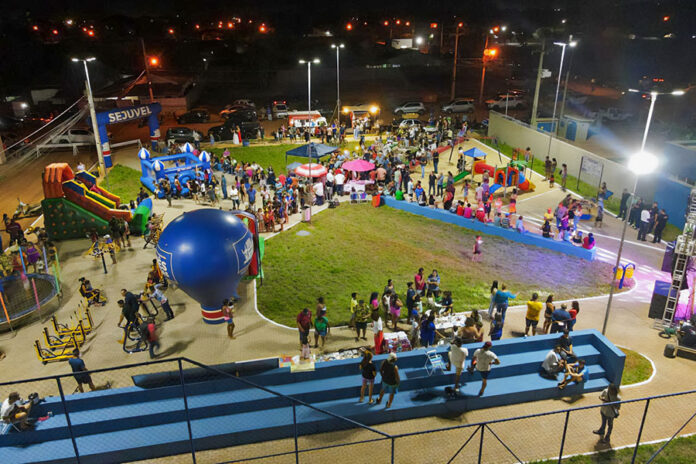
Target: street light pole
point(309, 119)
point(93, 116)
point(147, 70)
point(483, 70)
point(338, 84)
point(554, 125)
point(641, 163)
point(454, 66)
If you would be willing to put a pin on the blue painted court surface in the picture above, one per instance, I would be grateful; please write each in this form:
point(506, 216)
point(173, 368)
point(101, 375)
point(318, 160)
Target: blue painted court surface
point(149, 421)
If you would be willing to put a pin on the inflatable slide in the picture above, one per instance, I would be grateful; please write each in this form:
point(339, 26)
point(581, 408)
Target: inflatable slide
point(74, 204)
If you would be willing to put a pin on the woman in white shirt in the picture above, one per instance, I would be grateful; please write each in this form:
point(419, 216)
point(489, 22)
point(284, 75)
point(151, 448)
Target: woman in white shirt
point(234, 196)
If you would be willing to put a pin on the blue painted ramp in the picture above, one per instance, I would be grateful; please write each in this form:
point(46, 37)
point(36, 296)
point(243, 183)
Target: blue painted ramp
point(134, 423)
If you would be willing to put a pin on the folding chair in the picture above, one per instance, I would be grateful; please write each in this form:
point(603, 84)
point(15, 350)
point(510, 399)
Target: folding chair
point(7, 428)
point(433, 362)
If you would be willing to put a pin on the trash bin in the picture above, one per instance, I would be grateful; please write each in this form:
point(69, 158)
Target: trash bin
point(245, 143)
point(399, 195)
point(376, 200)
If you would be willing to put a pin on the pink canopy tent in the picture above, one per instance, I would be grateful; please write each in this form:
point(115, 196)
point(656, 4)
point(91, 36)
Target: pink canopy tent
point(358, 165)
point(311, 170)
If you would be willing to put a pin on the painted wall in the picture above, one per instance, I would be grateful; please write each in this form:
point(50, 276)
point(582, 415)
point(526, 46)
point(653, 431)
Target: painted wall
point(517, 134)
point(490, 229)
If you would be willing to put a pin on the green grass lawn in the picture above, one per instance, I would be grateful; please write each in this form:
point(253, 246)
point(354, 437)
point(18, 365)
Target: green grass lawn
point(265, 155)
point(679, 451)
point(636, 369)
point(356, 248)
point(124, 182)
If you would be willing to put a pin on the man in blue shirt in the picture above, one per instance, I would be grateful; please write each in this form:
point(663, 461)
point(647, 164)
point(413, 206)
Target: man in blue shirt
point(252, 196)
point(80, 371)
point(501, 300)
point(560, 318)
point(418, 191)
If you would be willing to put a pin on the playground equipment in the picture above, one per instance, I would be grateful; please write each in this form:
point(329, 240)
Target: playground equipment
point(150, 111)
point(153, 170)
point(154, 229)
point(227, 247)
point(23, 294)
point(624, 274)
point(74, 204)
point(47, 355)
point(510, 176)
point(102, 246)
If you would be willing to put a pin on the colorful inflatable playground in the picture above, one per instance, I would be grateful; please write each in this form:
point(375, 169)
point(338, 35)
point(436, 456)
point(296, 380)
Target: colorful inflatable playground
point(74, 205)
point(185, 166)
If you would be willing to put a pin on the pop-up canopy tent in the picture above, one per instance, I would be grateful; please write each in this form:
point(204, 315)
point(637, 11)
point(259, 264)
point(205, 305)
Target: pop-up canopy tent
point(313, 151)
point(475, 153)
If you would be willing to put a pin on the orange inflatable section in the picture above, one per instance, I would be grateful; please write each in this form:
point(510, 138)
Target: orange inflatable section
point(54, 176)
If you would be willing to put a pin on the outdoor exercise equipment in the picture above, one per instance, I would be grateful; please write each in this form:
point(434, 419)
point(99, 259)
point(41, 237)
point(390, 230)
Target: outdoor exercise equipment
point(206, 252)
point(150, 111)
point(154, 230)
point(185, 166)
point(74, 339)
point(130, 332)
point(73, 204)
point(47, 355)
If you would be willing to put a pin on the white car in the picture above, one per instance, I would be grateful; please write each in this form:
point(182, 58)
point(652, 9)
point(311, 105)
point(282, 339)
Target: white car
point(244, 102)
point(75, 136)
point(409, 123)
point(460, 105)
point(511, 101)
point(410, 107)
point(280, 110)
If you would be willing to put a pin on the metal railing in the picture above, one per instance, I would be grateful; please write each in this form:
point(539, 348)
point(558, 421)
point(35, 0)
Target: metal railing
point(548, 435)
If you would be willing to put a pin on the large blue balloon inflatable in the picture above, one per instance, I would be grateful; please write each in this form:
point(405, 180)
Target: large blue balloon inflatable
point(206, 252)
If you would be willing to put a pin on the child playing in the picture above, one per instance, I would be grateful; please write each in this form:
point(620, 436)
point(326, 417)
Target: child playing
point(305, 353)
point(228, 315)
point(476, 255)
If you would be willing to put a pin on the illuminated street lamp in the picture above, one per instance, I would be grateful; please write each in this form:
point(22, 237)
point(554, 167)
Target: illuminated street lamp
point(92, 113)
point(571, 43)
point(338, 48)
point(640, 164)
point(309, 119)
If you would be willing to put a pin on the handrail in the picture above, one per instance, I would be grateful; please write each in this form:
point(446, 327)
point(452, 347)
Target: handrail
point(357, 424)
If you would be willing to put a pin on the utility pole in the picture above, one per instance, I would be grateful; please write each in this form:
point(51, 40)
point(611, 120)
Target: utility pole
point(483, 70)
point(147, 69)
point(535, 104)
point(454, 66)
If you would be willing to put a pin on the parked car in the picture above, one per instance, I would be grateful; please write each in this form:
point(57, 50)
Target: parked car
point(410, 107)
point(244, 102)
point(459, 105)
point(246, 119)
point(409, 123)
point(279, 109)
point(501, 101)
point(74, 136)
point(180, 134)
point(197, 115)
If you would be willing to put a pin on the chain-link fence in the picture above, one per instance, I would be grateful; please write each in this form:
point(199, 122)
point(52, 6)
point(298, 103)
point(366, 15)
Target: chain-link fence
point(178, 410)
